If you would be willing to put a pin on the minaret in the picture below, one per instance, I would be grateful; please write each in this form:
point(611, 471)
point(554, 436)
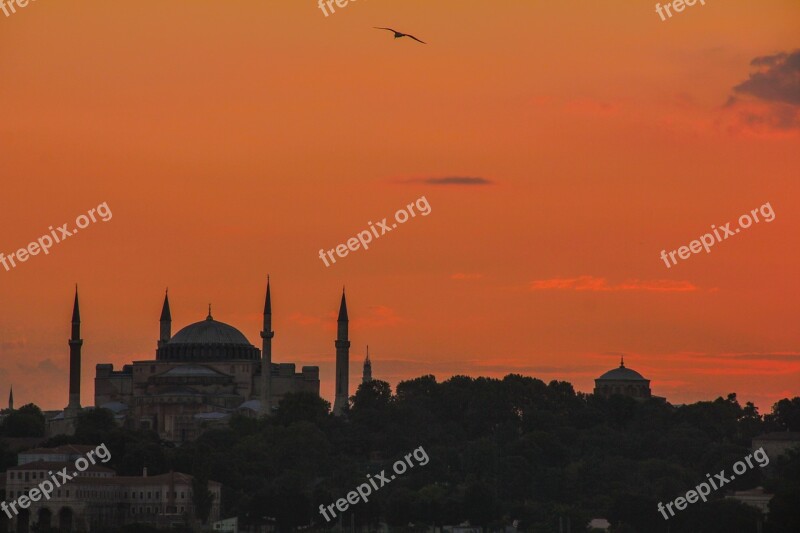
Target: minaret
point(367, 374)
point(166, 322)
point(75, 343)
point(11, 399)
point(342, 360)
point(266, 356)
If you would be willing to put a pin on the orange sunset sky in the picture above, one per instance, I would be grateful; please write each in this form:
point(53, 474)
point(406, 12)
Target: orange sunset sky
point(235, 139)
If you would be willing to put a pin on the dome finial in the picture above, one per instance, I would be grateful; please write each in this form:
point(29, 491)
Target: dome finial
point(209, 317)
point(622, 361)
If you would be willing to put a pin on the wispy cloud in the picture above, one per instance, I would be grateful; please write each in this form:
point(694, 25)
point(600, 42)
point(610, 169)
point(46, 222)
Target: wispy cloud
point(588, 106)
point(304, 319)
point(464, 276)
point(449, 180)
point(379, 316)
point(777, 79)
point(45, 367)
point(770, 98)
point(13, 344)
point(780, 356)
point(591, 283)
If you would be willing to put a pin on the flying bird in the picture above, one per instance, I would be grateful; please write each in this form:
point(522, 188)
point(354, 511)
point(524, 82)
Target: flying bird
point(398, 34)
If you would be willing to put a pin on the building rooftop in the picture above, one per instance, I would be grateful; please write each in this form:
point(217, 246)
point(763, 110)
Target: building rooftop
point(56, 466)
point(75, 449)
point(115, 407)
point(192, 371)
point(161, 479)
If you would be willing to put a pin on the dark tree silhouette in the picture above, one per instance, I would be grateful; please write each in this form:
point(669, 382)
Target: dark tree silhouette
point(27, 421)
point(296, 406)
point(498, 450)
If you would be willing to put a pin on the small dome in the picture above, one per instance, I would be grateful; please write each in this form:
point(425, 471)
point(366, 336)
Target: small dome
point(209, 331)
point(115, 407)
point(252, 405)
point(622, 374)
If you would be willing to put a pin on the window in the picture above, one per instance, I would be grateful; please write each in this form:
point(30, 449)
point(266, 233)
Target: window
point(133, 494)
point(157, 494)
point(183, 495)
point(12, 475)
point(141, 495)
point(67, 494)
point(133, 510)
point(149, 495)
point(27, 475)
point(58, 493)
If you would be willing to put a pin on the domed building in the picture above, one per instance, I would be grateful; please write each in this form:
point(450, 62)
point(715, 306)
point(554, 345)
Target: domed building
point(200, 376)
point(623, 381)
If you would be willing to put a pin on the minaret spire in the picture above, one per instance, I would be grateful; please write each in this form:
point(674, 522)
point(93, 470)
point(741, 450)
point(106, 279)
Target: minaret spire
point(166, 322)
point(343, 308)
point(342, 359)
point(266, 355)
point(11, 399)
point(268, 300)
point(367, 373)
point(76, 315)
point(75, 343)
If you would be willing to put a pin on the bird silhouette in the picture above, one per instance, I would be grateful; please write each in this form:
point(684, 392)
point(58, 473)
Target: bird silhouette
point(398, 34)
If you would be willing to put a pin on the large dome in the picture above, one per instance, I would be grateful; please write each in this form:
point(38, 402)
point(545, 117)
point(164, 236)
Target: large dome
point(208, 340)
point(622, 374)
point(209, 331)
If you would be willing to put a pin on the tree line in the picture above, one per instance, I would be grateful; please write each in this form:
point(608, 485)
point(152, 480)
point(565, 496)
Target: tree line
point(502, 451)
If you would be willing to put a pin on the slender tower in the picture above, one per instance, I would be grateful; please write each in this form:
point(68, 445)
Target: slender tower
point(11, 399)
point(367, 374)
point(166, 322)
point(266, 356)
point(75, 343)
point(342, 360)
